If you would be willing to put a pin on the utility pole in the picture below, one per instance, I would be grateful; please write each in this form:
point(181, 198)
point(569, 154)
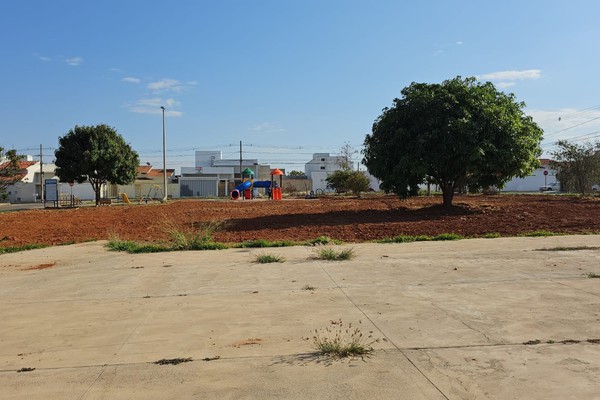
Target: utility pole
point(241, 178)
point(164, 157)
point(41, 174)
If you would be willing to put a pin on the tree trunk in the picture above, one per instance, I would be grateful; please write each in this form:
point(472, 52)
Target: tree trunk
point(97, 190)
point(448, 194)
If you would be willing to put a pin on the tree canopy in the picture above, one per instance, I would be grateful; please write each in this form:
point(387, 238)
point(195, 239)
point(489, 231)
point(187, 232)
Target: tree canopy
point(97, 154)
point(10, 170)
point(295, 173)
point(577, 165)
point(460, 133)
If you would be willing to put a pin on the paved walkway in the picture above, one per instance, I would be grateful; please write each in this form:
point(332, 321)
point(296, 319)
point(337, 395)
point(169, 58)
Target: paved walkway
point(451, 318)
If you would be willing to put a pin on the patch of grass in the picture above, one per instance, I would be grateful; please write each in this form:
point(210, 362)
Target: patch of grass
point(329, 254)
point(16, 249)
point(540, 233)
point(421, 238)
point(572, 248)
point(197, 239)
point(308, 287)
point(491, 235)
point(180, 239)
point(266, 258)
point(405, 239)
point(447, 236)
point(592, 275)
point(136, 247)
point(532, 342)
point(322, 240)
point(260, 243)
point(338, 341)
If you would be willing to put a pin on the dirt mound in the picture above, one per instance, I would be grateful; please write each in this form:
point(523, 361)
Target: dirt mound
point(348, 219)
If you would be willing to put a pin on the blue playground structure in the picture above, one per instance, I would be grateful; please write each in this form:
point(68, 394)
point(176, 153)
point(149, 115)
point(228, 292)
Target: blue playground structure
point(248, 186)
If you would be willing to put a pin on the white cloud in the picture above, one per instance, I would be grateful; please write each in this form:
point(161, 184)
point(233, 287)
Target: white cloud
point(152, 106)
point(114, 69)
point(511, 75)
point(74, 61)
point(459, 42)
point(166, 85)
point(131, 79)
point(504, 85)
point(267, 127)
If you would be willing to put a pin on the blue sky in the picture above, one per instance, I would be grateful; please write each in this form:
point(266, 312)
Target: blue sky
point(288, 78)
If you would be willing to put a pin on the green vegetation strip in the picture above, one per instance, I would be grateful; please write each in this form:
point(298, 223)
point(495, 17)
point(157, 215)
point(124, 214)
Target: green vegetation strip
point(15, 249)
point(573, 248)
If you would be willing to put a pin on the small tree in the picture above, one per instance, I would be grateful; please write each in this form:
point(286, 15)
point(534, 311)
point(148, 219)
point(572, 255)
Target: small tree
point(460, 134)
point(295, 173)
point(358, 182)
point(10, 169)
point(97, 154)
point(345, 157)
point(577, 166)
point(343, 181)
point(338, 180)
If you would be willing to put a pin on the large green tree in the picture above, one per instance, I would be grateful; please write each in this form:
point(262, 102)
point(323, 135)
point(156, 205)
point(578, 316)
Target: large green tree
point(460, 133)
point(97, 154)
point(10, 170)
point(577, 165)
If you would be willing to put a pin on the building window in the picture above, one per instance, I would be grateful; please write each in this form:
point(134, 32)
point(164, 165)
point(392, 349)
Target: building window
point(322, 167)
point(322, 159)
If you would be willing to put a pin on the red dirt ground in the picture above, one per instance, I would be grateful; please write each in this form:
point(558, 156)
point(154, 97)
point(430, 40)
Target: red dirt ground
point(348, 219)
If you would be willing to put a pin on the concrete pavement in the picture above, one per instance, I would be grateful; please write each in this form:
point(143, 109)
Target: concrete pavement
point(451, 318)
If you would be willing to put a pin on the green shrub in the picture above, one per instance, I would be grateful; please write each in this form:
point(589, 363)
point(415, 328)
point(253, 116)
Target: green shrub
point(323, 240)
point(266, 258)
point(337, 341)
point(329, 254)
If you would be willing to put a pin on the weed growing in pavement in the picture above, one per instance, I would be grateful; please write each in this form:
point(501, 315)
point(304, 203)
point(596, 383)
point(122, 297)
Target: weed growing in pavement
point(308, 287)
point(329, 254)
point(592, 275)
point(322, 240)
point(571, 248)
point(338, 341)
point(266, 258)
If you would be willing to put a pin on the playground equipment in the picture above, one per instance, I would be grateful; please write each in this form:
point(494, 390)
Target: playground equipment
point(247, 186)
point(125, 198)
point(157, 190)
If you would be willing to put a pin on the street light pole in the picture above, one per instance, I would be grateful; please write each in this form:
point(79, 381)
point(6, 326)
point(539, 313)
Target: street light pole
point(164, 157)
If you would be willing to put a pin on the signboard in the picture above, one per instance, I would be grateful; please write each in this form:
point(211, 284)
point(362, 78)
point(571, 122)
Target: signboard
point(545, 172)
point(51, 189)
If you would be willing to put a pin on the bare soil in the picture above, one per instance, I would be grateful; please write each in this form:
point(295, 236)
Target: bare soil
point(348, 219)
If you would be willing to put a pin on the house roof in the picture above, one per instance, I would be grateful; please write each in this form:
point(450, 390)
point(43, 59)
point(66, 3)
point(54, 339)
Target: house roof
point(23, 165)
point(147, 172)
point(544, 161)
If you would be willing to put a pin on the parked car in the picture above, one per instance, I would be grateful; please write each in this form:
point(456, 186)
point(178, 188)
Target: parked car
point(551, 187)
point(554, 186)
point(596, 188)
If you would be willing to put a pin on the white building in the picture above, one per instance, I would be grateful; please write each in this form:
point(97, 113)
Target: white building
point(323, 164)
point(213, 176)
point(541, 176)
point(29, 187)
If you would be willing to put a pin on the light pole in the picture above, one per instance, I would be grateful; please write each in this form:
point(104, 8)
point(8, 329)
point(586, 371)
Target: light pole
point(164, 157)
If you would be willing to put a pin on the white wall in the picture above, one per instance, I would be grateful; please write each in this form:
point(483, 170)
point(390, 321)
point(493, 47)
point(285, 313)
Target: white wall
point(531, 183)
